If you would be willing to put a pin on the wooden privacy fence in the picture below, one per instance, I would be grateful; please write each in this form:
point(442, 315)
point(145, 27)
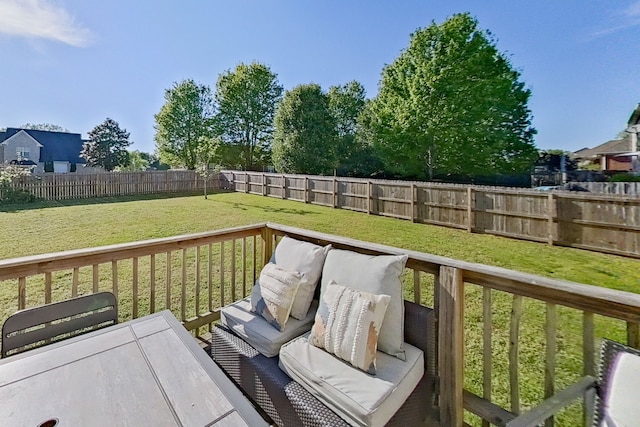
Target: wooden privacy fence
point(597, 222)
point(55, 186)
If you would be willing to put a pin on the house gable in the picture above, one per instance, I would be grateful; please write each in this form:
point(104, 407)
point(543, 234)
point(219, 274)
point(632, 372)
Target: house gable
point(22, 145)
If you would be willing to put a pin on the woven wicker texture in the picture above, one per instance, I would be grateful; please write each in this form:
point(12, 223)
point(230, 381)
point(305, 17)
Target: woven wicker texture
point(289, 404)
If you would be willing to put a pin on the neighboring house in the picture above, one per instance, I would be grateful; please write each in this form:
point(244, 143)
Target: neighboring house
point(607, 156)
point(51, 151)
point(617, 154)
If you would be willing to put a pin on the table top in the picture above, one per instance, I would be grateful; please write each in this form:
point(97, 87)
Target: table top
point(148, 371)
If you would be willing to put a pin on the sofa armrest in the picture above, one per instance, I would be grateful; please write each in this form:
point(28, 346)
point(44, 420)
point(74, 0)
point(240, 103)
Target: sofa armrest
point(420, 332)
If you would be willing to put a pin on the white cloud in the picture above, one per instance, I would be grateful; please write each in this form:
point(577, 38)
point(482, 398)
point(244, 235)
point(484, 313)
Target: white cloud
point(632, 11)
point(41, 19)
point(621, 20)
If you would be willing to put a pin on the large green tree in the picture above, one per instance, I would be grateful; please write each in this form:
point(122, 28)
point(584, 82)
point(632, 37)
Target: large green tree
point(451, 103)
point(185, 118)
point(354, 156)
point(246, 99)
point(304, 139)
point(107, 146)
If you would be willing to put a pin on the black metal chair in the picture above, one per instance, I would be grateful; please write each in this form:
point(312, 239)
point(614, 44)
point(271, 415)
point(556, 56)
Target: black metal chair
point(596, 392)
point(39, 326)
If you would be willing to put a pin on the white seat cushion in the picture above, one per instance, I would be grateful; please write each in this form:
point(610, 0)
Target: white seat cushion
point(255, 330)
point(359, 398)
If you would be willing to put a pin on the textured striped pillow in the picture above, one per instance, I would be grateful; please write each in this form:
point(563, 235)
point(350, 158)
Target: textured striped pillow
point(274, 294)
point(348, 323)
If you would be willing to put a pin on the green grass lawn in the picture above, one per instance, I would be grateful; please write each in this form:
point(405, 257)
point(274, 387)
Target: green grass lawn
point(57, 226)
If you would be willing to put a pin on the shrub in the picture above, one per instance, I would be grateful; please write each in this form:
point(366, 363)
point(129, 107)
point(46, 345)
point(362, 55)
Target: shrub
point(8, 192)
point(625, 177)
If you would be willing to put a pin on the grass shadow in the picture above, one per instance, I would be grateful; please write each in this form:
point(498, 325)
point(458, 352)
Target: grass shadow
point(269, 209)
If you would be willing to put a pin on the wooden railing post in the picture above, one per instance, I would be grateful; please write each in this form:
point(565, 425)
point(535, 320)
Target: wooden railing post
point(633, 335)
point(267, 245)
point(451, 346)
point(514, 350)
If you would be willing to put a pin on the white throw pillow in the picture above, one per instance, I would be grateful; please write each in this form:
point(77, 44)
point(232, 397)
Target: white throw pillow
point(273, 296)
point(378, 275)
point(348, 324)
point(307, 258)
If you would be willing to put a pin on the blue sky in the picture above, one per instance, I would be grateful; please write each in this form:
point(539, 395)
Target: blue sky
point(75, 63)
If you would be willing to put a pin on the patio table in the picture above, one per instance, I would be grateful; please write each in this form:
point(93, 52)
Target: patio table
point(148, 371)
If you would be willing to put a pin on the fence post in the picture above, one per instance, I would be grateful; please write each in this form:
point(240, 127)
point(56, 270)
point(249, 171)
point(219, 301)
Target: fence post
point(265, 190)
point(306, 189)
point(550, 209)
point(414, 204)
point(469, 209)
point(284, 187)
point(369, 197)
point(246, 182)
point(451, 346)
point(335, 192)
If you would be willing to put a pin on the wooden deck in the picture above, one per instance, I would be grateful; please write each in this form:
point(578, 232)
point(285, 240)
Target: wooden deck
point(486, 374)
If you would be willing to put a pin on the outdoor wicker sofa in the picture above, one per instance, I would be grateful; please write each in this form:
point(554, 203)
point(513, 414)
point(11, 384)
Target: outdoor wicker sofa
point(258, 358)
point(287, 403)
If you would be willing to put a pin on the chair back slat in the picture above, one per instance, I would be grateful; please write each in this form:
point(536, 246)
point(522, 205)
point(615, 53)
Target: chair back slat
point(43, 325)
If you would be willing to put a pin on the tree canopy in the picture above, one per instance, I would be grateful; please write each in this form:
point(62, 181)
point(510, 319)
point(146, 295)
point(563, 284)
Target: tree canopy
point(552, 160)
point(451, 103)
point(246, 99)
point(183, 120)
point(107, 146)
point(44, 126)
point(138, 161)
point(304, 137)
point(354, 155)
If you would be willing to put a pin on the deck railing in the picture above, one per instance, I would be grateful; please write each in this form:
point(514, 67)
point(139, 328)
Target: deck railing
point(507, 340)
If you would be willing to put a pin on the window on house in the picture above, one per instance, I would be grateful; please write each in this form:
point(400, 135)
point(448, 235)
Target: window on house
point(22, 152)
